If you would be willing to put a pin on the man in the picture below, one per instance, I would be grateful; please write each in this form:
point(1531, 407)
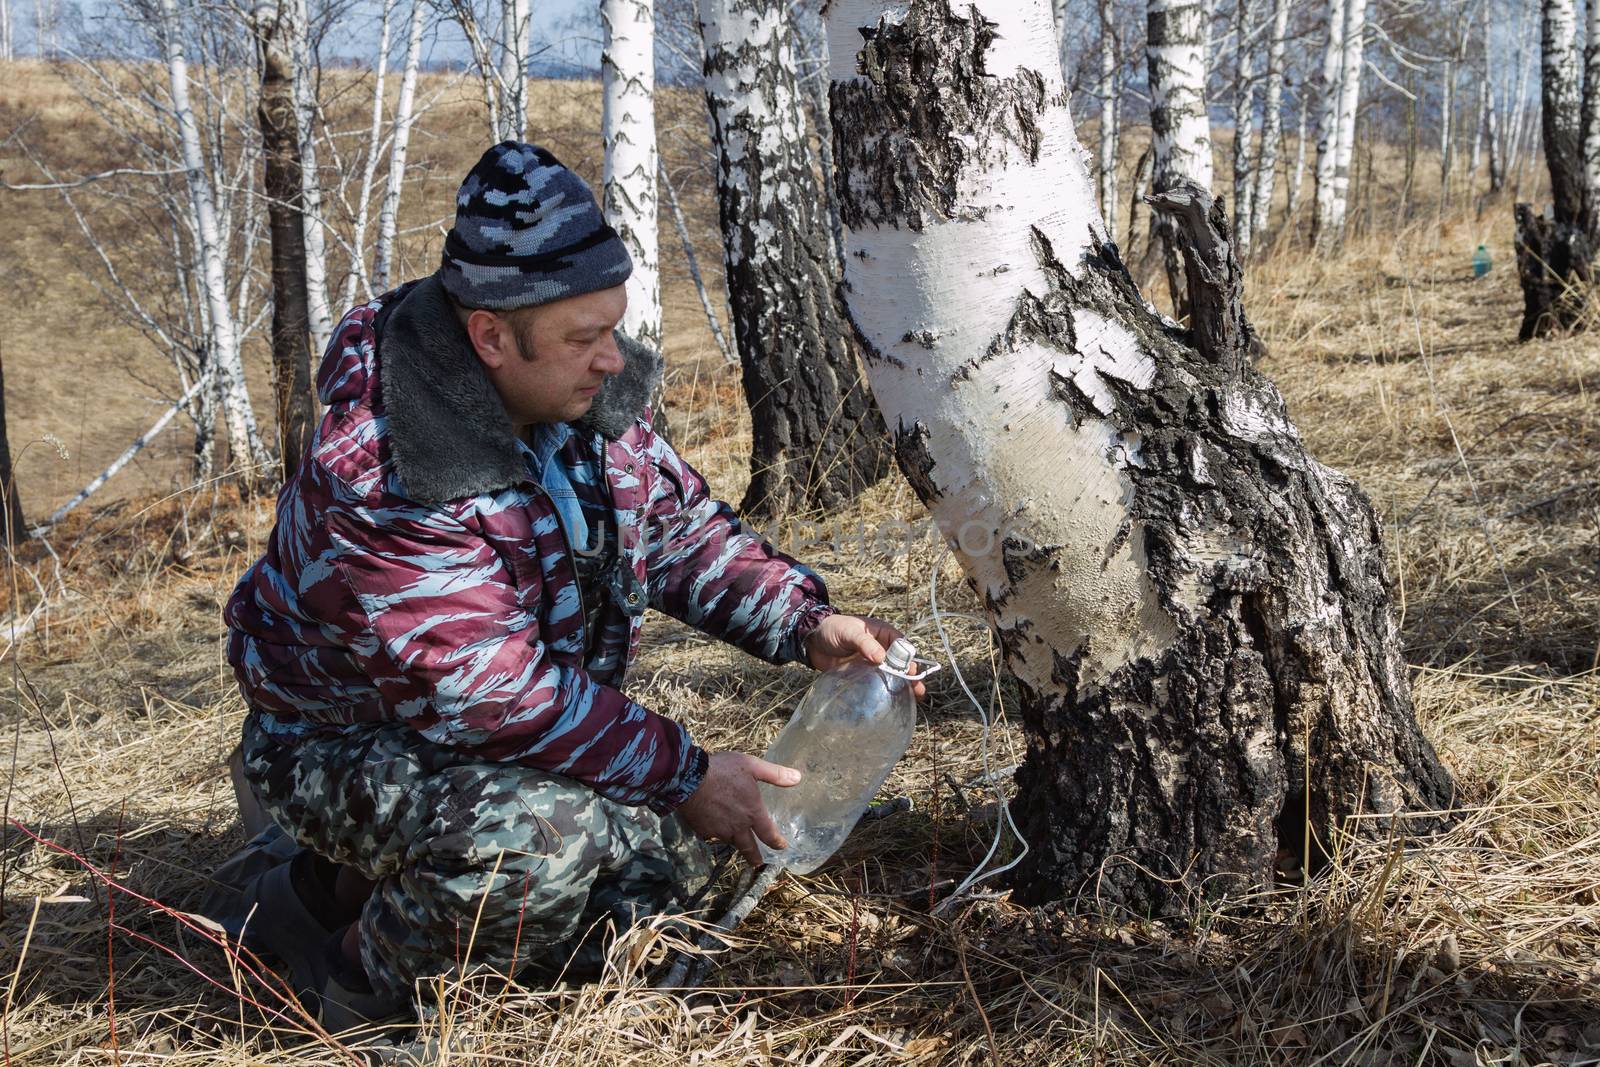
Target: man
point(432, 643)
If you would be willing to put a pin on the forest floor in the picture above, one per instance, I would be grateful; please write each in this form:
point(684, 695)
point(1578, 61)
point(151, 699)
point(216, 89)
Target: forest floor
point(1479, 948)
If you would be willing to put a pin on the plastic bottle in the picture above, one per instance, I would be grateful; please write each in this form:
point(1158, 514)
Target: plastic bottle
point(1480, 261)
point(849, 731)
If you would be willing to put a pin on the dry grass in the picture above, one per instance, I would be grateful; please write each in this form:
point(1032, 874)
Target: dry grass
point(1481, 948)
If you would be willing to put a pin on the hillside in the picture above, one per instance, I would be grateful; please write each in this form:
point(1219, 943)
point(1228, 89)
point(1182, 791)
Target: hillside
point(1400, 368)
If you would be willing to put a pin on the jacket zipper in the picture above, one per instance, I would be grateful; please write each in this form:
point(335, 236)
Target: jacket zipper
point(572, 562)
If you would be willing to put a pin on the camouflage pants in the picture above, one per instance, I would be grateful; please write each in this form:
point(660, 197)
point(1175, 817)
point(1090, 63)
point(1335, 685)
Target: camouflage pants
point(530, 869)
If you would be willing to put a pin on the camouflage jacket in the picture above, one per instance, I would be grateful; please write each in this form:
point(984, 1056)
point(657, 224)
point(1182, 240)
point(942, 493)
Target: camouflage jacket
point(420, 570)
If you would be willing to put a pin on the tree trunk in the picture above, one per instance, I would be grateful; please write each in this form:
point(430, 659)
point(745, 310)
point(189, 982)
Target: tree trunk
point(1110, 93)
point(1478, 127)
point(1497, 164)
point(1271, 121)
point(1243, 131)
point(311, 215)
point(628, 128)
point(1336, 128)
point(280, 143)
point(1297, 180)
point(1591, 118)
point(818, 441)
point(1196, 611)
point(383, 254)
point(1179, 127)
point(1555, 256)
point(222, 338)
point(1447, 107)
point(513, 69)
point(357, 274)
point(13, 528)
point(1141, 189)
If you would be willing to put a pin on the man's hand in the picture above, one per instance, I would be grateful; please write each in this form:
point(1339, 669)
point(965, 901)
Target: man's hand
point(728, 807)
point(841, 638)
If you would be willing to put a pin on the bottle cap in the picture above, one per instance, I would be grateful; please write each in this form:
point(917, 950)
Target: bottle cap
point(900, 655)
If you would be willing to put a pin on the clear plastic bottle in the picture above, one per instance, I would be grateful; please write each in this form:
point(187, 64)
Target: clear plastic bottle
point(849, 731)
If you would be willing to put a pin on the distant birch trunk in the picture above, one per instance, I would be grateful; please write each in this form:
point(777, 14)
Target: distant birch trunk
point(1271, 123)
point(1141, 189)
point(383, 254)
point(1555, 257)
point(1196, 611)
point(1179, 127)
point(1297, 177)
point(222, 338)
point(1479, 125)
point(817, 439)
point(291, 368)
point(357, 274)
point(1110, 92)
point(1058, 11)
point(13, 528)
point(628, 129)
point(1243, 130)
point(1491, 119)
point(1591, 119)
point(513, 69)
point(311, 214)
point(5, 30)
point(1351, 73)
point(1447, 107)
point(1328, 122)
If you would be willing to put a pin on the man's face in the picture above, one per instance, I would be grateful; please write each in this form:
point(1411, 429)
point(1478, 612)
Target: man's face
point(547, 363)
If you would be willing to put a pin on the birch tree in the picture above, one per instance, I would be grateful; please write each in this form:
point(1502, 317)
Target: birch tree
point(816, 438)
point(1555, 255)
point(13, 527)
point(1179, 128)
point(223, 337)
point(1328, 121)
point(1591, 118)
point(1243, 128)
point(1196, 612)
point(312, 219)
point(271, 22)
point(1110, 97)
point(357, 274)
point(1271, 121)
point(404, 114)
point(628, 128)
point(513, 69)
point(1351, 72)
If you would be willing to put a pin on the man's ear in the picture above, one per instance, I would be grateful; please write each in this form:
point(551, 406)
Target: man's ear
point(491, 336)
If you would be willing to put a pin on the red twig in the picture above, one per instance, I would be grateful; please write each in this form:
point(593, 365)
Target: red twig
point(111, 926)
point(242, 958)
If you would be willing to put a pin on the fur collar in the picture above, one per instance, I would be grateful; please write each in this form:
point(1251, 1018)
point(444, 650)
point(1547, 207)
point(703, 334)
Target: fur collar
point(448, 431)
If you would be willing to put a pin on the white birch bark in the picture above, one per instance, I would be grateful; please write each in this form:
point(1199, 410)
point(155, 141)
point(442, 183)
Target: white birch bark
point(1492, 132)
point(1298, 176)
point(311, 212)
point(1177, 65)
point(1243, 129)
point(1271, 121)
point(816, 439)
point(628, 129)
point(1561, 96)
point(1591, 116)
point(222, 336)
point(5, 30)
point(1328, 119)
point(514, 69)
point(357, 274)
point(1110, 93)
point(1058, 9)
point(1077, 457)
point(1350, 77)
point(383, 253)
point(1447, 109)
point(1478, 127)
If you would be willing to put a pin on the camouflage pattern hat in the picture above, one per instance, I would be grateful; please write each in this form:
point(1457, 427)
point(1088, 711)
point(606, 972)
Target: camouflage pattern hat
point(528, 232)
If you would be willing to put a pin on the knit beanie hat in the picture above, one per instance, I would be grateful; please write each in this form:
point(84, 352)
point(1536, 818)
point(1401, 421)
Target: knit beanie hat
point(528, 232)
